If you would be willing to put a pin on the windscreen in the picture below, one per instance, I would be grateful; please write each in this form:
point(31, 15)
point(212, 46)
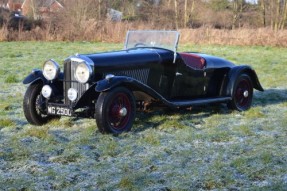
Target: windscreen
point(160, 39)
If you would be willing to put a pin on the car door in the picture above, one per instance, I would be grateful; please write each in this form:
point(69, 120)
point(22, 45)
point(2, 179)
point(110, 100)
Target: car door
point(189, 82)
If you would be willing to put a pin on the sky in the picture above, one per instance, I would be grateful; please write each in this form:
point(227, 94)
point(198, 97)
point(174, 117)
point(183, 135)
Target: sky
point(251, 1)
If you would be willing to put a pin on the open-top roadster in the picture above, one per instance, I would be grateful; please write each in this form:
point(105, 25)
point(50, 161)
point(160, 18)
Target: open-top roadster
point(109, 86)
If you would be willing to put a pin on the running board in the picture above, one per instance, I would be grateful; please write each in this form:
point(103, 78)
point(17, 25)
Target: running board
point(195, 102)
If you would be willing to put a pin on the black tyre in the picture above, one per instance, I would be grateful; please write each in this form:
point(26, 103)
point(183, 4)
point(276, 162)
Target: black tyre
point(242, 93)
point(115, 111)
point(34, 106)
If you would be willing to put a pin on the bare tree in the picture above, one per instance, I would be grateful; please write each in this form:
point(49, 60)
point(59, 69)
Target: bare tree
point(3, 2)
point(80, 11)
point(237, 9)
point(275, 12)
point(188, 12)
point(281, 14)
point(262, 4)
point(176, 13)
point(284, 20)
point(185, 13)
point(99, 9)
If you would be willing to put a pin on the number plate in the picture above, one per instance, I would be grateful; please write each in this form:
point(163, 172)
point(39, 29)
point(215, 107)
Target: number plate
point(57, 110)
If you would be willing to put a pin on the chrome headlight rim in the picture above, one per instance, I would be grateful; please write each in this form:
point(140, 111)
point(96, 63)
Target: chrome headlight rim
point(88, 70)
point(56, 70)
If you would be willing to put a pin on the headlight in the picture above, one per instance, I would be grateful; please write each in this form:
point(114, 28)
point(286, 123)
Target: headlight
point(51, 70)
point(83, 73)
point(72, 94)
point(46, 91)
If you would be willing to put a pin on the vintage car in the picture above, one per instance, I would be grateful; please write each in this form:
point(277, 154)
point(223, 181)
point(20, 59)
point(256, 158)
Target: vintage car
point(111, 86)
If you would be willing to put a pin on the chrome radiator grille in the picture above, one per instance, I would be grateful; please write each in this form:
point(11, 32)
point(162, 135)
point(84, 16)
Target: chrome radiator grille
point(71, 82)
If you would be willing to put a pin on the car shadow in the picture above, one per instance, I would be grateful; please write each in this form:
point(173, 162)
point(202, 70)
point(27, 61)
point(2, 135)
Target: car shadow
point(157, 116)
point(145, 120)
point(270, 96)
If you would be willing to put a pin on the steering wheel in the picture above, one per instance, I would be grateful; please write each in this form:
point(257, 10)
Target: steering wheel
point(140, 44)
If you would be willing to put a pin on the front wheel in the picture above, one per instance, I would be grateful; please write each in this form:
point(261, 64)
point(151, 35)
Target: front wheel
point(115, 111)
point(242, 94)
point(34, 106)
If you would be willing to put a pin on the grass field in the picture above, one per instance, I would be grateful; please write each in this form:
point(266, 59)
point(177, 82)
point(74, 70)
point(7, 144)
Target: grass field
point(207, 148)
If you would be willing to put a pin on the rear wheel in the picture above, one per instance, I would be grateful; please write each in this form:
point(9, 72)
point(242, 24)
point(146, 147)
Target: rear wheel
point(242, 94)
point(115, 110)
point(34, 106)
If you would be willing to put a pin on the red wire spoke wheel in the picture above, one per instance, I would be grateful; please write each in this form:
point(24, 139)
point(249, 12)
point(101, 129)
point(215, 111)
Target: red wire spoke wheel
point(242, 93)
point(115, 110)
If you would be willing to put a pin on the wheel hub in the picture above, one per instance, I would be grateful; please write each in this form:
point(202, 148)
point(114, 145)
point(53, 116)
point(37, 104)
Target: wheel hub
point(123, 112)
point(245, 93)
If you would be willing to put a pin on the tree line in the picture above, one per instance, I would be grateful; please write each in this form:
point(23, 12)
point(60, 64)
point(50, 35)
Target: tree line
point(240, 22)
point(227, 14)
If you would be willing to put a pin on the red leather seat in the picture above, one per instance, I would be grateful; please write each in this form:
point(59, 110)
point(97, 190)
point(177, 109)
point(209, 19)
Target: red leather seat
point(192, 60)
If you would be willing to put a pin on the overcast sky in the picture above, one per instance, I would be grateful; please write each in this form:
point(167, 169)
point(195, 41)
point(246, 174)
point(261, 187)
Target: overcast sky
point(252, 1)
